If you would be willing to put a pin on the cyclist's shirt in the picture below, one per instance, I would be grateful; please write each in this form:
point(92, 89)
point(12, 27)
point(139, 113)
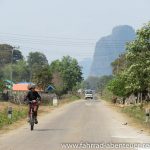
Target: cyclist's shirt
point(33, 95)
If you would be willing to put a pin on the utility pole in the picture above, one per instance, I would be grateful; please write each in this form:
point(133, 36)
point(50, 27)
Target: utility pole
point(30, 74)
point(11, 73)
point(30, 64)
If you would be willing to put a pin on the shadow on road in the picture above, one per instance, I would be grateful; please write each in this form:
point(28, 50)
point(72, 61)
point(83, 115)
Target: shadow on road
point(42, 130)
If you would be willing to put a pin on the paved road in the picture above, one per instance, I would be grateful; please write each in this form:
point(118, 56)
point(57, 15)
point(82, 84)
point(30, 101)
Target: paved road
point(81, 122)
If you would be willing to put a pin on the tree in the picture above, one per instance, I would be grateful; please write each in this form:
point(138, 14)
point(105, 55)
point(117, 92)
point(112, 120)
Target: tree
point(17, 55)
point(138, 55)
point(44, 77)
point(66, 74)
point(8, 55)
point(135, 77)
point(20, 71)
point(71, 73)
point(2, 86)
point(119, 64)
point(6, 71)
point(102, 83)
point(58, 83)
point(57, 79)
point(37, 58)
point(118, 86)
point(36, 62)
point(5, 54)
point(91, 83)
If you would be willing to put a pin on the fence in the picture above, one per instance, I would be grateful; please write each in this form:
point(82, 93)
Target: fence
point(18, 97)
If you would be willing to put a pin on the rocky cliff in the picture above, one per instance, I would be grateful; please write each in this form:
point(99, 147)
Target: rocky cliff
point(108, 48)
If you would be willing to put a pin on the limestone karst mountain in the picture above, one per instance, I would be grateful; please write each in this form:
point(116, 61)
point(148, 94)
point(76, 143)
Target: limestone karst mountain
point(109, 48)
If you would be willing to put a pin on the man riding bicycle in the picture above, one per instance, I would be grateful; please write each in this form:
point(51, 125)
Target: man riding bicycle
point(32, 96)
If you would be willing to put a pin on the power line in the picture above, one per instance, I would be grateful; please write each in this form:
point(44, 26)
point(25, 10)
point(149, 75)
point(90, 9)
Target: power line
point(49, 37)
point(60, 38)
point(64, 43)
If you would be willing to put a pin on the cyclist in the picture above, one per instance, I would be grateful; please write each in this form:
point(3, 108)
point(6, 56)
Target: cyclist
point(33, 95)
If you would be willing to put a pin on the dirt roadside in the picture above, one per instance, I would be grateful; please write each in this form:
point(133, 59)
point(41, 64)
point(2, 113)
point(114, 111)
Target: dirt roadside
point(128, 120)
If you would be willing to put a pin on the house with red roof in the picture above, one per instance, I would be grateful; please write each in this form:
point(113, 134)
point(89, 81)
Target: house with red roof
point(22, 87)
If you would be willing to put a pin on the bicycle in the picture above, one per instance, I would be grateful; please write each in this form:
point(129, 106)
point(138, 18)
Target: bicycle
point(33, 106)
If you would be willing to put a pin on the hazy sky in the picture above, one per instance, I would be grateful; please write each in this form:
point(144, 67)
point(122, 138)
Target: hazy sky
point(66, 27)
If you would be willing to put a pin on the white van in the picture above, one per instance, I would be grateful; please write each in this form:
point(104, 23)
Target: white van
point(88, 94)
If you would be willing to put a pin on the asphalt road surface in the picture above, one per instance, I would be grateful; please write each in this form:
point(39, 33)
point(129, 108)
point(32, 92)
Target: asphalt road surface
point(78, 125)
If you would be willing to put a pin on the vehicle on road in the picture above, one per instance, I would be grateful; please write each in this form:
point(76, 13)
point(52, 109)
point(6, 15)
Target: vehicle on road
point(88, 94)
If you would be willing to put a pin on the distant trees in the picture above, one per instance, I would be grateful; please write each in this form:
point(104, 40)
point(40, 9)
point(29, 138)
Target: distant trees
point(64, 74)
point(91, 83)
point(21, 71)
point(96, 83)
point(36, 59)
point(43, 77)
point(36, 62)
point(9, 56)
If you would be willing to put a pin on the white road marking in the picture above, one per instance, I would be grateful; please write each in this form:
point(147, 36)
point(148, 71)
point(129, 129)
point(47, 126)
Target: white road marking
point(123, 137)
point(143, 148)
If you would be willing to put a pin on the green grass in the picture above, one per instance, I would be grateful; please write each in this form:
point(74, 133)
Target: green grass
point(21, 113)
point(17, 114)
point(135, 111)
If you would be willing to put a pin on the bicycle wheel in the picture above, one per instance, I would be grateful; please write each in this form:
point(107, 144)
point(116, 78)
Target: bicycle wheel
point(32, 127)
point(32, 122)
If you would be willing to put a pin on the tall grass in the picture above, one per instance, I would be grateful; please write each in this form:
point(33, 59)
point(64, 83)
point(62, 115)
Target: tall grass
point(16, 115)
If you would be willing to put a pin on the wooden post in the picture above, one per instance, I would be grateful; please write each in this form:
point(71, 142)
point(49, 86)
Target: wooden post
point(55, 101)
point(9, 112)
point(147, 114)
